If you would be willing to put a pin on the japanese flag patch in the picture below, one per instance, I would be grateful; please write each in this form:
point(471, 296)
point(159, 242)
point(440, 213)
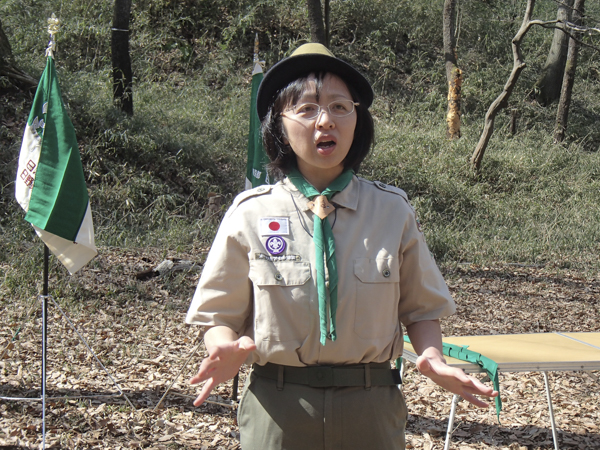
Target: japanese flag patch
point(270, 226)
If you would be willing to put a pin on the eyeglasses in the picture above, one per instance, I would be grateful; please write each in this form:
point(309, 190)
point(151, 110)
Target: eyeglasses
point(337, 108)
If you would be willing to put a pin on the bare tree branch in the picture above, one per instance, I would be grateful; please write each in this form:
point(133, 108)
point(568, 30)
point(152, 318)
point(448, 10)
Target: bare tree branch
point(576, 30)
point(501, 101)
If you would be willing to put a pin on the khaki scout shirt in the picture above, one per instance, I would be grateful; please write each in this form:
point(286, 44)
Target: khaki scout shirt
point(387, 276)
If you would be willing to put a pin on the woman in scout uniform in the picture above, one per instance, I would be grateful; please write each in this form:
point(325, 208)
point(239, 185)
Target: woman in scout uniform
point(310, 279)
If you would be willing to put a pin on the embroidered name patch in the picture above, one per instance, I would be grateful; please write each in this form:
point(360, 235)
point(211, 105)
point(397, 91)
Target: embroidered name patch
point(278, 258)
point(274, 226)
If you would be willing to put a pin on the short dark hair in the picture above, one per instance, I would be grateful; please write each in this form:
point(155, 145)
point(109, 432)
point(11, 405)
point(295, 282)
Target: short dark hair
point(282, 157)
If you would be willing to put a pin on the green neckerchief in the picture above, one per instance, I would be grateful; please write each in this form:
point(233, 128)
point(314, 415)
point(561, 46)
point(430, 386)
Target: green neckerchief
point(490, 366)
point(324, 249)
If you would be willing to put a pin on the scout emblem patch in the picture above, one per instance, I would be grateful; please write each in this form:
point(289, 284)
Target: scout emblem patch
point(275, 245)
point(272, 226)
point(320, 206)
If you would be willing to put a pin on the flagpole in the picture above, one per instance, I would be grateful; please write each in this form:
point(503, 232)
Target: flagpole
point(44, 340)
point(256, 166)
point(53, 25)
point(256, 48)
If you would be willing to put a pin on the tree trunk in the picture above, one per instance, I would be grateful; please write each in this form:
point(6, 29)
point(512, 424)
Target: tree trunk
point(5, 49)
point(453, 73)
point(122, 74)
point(548, 86)
point(315, 21)
point(327, 22)
point(562, 115)
point(8, 67)
point(502, 100)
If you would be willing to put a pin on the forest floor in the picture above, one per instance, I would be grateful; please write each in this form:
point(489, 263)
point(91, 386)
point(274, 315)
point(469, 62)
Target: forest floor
point(136, 327)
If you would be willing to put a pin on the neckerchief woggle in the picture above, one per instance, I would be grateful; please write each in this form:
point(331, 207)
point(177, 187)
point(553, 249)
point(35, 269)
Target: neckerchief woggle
point(324, 250)
point(488, 365)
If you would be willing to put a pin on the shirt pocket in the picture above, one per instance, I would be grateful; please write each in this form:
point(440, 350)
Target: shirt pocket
point(377, 293)
point(281, 299)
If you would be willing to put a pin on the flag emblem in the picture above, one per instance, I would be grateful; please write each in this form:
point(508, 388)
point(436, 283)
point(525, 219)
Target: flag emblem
point(270, 226)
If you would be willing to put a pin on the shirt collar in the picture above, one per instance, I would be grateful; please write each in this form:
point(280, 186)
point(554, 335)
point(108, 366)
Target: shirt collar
point(348, 198)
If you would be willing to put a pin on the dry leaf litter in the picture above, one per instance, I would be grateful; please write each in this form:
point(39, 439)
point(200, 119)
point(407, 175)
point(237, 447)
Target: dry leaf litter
point(144, 344)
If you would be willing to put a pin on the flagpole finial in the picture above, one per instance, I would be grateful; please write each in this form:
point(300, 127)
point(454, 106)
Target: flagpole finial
point(53, 26)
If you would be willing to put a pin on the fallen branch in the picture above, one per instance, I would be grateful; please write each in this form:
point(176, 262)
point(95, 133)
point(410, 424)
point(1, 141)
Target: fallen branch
point(169, 266)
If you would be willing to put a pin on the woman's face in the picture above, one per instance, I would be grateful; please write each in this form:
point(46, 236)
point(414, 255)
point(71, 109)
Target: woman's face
point(321, 143)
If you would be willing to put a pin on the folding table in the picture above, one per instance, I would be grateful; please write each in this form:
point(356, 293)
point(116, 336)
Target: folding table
point(537, 352)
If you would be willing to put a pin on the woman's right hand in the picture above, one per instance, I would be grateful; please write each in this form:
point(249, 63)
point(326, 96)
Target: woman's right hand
point(226, 356)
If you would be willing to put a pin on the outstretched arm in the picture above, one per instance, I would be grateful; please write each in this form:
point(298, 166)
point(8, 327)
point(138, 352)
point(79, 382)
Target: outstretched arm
point(426, 338)
point(227, 352)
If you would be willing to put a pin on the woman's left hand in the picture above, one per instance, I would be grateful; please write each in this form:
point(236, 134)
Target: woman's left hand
point(426, 338)
point(454, 379)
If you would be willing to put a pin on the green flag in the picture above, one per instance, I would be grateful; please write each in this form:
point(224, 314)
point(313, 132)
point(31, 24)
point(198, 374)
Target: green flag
point(256, 172)
point(50, 184)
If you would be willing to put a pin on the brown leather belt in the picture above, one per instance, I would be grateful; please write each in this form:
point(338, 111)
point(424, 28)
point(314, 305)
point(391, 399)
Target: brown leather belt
point(367, 375)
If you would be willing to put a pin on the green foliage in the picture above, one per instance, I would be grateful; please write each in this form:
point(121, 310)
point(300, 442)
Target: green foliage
point(149, 175)
point(533, 206)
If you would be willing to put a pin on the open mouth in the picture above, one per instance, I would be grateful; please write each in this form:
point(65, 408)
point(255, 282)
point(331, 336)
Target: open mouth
point(325, 145)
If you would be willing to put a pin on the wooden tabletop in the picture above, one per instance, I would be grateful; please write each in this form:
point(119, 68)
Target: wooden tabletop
point(528, 352)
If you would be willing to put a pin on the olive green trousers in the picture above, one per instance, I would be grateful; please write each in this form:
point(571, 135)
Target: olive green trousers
point(300, 417)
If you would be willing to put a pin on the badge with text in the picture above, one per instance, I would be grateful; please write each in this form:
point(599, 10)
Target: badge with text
point(275, 245)
point(274, 226)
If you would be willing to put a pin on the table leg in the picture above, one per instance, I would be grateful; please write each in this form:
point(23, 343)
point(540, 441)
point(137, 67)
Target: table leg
point(554, 432)
point(455, 400)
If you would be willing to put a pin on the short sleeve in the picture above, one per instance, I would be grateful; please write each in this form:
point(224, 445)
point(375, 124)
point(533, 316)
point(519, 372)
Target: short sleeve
point(424, 294)
point(224, 293)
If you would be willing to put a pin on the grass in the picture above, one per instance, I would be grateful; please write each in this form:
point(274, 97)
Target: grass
point(535, 202)
point(149, 176)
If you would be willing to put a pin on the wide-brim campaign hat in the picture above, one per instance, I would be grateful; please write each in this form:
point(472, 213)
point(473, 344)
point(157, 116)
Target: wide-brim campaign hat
point(307, 59)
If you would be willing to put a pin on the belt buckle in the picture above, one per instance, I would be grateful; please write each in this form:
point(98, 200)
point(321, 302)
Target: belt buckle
point(320, 376)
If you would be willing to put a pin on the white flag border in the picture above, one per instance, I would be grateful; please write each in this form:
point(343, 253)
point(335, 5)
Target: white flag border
point(73, 255)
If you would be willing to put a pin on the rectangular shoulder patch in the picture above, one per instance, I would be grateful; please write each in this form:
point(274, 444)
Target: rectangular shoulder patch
point(270, 226)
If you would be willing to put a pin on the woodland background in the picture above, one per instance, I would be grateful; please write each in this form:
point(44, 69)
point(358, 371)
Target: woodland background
point(517, 240)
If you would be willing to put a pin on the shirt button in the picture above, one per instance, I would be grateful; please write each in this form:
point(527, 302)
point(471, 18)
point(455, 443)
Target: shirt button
point(386, 273)
point(278, 277)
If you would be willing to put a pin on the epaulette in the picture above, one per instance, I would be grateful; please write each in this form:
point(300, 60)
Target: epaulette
point(400, 192)
point(392, 189)
point(243, 196)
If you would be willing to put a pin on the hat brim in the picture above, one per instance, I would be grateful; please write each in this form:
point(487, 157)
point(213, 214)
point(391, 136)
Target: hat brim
point(292, 68)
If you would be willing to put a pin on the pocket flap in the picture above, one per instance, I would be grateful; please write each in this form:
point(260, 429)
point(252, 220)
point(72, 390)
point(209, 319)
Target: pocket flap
point(279, 273)
point(380, 270)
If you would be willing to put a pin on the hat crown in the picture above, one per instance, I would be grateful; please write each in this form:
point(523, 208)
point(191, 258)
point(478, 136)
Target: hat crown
point(312, 48)
point(309, 58)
